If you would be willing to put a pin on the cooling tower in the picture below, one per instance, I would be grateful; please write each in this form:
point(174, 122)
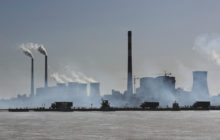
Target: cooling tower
point(129, 82)
point(73, 84)
point(82, 89)
point(94, 89)
point(74, 88)
point(32, 77)
point(61, 85)
point(200, 86)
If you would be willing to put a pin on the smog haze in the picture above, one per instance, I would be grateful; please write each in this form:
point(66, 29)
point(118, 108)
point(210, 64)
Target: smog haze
point(86, 41)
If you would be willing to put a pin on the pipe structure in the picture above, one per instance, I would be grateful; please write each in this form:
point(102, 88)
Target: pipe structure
point(129, 81)
point(46, 74)
point(32, 77)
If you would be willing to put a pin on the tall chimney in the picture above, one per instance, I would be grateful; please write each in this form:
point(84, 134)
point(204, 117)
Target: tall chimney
point(32, 77)
point(129, 82)
point(46, 75)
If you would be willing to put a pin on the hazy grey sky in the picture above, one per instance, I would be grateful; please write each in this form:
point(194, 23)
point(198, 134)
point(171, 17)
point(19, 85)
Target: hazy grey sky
point(90, 36)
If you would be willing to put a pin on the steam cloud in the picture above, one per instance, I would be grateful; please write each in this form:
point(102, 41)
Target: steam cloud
point(38, 47)
point(72, 77)
point(26, 51)
point(209, 45)
point(57, 78)
point(42, 50)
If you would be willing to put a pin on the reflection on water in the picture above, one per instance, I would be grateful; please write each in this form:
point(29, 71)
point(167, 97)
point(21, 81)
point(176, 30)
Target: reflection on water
point(148, 125)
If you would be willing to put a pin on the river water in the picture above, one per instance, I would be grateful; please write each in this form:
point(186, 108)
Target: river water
point(125, 125)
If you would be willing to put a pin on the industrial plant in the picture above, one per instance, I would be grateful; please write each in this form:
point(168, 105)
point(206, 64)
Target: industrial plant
point(158, 91)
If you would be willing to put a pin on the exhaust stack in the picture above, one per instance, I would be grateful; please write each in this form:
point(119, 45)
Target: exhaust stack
point(28, 53)
point(32, 77)
point(43, 51)
point(46, 74)
point(129, 82)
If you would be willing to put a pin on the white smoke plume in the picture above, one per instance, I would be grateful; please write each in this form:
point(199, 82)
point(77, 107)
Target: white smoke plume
point(65, 78)
point(42, 50)
point(31, 45)
point(35, 46)
point(72, 76)
point(26, 51)
point(79, 76)
point(57, 78)
point(209, 45)
point(76, 77)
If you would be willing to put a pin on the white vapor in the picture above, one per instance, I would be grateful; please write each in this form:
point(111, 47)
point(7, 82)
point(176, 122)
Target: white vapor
point(209, 45)
point(72, 76)
point(81, 76)
point(38, 47)
point(57, 78)
point(42, 50)
point(26, 51)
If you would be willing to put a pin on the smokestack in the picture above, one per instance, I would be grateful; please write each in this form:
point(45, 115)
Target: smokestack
point(32, 77)
point(43, 51)
point(46, 75)
point(129, 82)
point(28, 53)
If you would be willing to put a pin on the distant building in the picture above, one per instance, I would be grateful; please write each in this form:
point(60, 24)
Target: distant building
point(161, 88)
point(82, 89)
point(73, 88)
point(73, 92)
point(94, 89)
point(200, 86)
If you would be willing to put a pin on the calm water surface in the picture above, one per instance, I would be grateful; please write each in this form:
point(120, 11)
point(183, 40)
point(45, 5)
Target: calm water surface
point(149, 125)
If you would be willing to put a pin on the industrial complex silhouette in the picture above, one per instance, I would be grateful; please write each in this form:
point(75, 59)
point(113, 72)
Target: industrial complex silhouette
point(157, 91)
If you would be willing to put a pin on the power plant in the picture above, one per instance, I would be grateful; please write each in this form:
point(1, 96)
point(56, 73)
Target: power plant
point(152, 92)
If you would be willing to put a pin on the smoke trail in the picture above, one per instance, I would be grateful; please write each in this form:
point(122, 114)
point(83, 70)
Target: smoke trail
point(26, 51)
point(57, 78)
point(62, 78)
point(42, 50)
point(209, 45)
point(31, 45)
point(66, 79)
point(72, 76)
point(86, 78)
point(76, 77)
point(38, 47)
point(79, 76)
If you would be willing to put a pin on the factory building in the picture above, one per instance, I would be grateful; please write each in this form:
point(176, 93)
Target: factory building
point(156, 89)
point(152, 89)
point(74, 92)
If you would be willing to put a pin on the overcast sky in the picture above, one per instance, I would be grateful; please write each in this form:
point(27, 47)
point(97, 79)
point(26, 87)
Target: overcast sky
point(90, 36)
